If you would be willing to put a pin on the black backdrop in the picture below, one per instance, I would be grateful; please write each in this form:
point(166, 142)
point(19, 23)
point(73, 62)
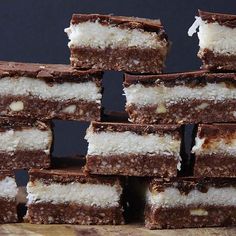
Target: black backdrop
point(33, 31)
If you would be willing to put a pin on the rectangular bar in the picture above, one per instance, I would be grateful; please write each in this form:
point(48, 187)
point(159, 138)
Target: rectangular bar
point(8, 194)
point(215, 150)
point(191, 202)
point(181, 98)
point(49, 91)
point(68, 196)
point(107, 42)
point(217, 35)
point(133, 150)
point(24, 144)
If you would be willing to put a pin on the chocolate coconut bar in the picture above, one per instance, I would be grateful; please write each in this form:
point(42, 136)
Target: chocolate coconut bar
point(133, 149)
point(190, 97)
point(215, 150)
point(69, 196)
point(24, 144)
point(217, 35)
point(191, 202)
point(49, 91)
point(8, 194)
point(107, 42)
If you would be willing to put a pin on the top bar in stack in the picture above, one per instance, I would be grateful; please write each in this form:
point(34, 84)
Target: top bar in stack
point(190, 97)
point(217, 35)
point(107, 42)
point(49, 91)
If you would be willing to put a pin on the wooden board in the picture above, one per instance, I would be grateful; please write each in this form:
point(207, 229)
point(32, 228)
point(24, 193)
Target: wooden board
point(124, 230)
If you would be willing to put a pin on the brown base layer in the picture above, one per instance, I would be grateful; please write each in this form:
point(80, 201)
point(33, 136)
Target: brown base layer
point(132, 165)
point(185, 112)
point(47, 109)
point(24, 160)
point(215, 166)
point(214, 61)
point(134, 60)
point(181, 217)
point(8, 212)
point(69, 213)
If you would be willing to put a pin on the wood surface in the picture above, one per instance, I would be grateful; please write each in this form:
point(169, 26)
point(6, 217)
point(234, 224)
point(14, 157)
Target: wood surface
point(126, 230)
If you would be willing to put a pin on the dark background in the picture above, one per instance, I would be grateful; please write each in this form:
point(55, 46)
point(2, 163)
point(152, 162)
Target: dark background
point(33, 31)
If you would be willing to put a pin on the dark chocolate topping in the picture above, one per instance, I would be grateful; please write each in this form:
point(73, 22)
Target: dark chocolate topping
point(223, 19)
point(120, 21)
point(193, 78)
point(49, 72)
point(20, 123)
point(187, 184)
point(68, 175)
point(136, 128)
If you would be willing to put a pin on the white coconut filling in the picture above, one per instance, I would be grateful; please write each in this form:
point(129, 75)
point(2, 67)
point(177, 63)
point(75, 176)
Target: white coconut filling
point(86, 194)
point(141, 95)
point(25, 86)
point(115, 143)
point(96, 35)
point(216, 146)
point(26, 139)
point(215, 37)
point(171, 197)
point(8, 188)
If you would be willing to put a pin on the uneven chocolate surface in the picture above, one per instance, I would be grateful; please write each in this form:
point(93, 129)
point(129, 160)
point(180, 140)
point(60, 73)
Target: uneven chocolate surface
point(215, 165)
point(8, 213)
point(180, 217)
point(149, 60)
point(132, 165)
point(214, 61)
point(18, 123)
point(191, 79)
point(49, 72)
point(49, 109)
point(68, 175)
point(223, 19)
point(148, 25)
point(24, 159)
point(72, 213)
point(140, 129)
point(186, 184)
point(186, 112)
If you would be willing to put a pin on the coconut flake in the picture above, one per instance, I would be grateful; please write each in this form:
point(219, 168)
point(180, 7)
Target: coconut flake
point(193, 29)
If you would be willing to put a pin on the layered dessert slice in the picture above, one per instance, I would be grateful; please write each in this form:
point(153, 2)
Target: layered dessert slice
point(217, 35)
point(107, 42)
point(8, 197)
point(24, 144)
point(133, 149)
point(190, 97)
point(49, 91)
point(69, 196)
point(190, 202)
point(215, 150)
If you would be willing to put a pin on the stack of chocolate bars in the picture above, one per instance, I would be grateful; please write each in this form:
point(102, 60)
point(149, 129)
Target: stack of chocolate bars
point(149, 144)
